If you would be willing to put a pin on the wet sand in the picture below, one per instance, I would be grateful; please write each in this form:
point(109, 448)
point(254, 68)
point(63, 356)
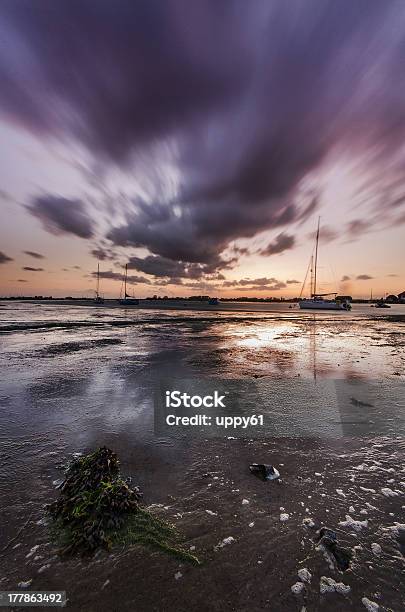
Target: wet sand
point(67, 388)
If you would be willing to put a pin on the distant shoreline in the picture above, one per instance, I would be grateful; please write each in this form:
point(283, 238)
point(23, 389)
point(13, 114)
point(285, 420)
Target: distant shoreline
point(192, 305)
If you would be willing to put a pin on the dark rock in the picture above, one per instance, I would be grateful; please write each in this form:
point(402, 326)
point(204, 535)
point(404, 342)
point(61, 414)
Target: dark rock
point(342, 556)
point(264, 472)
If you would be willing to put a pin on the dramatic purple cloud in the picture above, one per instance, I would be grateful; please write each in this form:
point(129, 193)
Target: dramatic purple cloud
point(244, 99)
point(158, 266)
point(62, 216)
point(282, 242)
point(256, 284)
point(29, 269)
point(102, 253)
point(364, 277)
point(344, 278)
point(132, 280)
point(4, 258)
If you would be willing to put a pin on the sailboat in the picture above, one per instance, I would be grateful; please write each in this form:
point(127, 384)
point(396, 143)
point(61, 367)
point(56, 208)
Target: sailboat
point(98, 299)
point(318, 301)
point(127, 300)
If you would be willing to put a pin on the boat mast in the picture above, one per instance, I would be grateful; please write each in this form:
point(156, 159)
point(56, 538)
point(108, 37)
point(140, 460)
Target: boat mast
point(312, 275)
point(125, 281)
point(316, 255)
point(98, 280)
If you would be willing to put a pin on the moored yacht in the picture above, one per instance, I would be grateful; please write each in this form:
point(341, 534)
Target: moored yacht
point(127, 300)
point(318, 301)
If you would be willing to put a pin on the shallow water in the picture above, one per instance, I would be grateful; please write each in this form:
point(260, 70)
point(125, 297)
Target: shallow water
point(73, 378)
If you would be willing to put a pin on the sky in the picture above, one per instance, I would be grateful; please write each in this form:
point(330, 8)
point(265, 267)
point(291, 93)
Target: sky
point(198, 143)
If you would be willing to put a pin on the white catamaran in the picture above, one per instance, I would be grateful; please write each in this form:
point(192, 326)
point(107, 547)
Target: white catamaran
point(318, 301)
point(127, 300)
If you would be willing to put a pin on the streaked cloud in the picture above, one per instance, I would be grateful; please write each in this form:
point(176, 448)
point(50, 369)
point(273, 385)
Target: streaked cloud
point(4, 258)
point(282, 242)
point(34, 254)
point(60, 215)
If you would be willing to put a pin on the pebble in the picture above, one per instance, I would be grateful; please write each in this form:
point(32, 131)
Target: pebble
point(105, 584)
point(284, 517)
point(376, 548)
point(304, 575)
point(244, 502)
point(44, 568)
point(251, 524)
point(328, 585)
point(178, 575)
point(308, 522)
point(297, 588)
point(388, 492)
point(211, 513)
point(225, 542)
point(370, 606)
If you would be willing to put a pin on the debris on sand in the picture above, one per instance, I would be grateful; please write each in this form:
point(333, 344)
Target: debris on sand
point(297, 588)
point(97, 509)
point(224, 542)
point(353, 524)
point(264, 472)
point(328, 542)
point(25, 584)
point(304, 575)
point(328, 585)
point(370, 606)
point(308, 522)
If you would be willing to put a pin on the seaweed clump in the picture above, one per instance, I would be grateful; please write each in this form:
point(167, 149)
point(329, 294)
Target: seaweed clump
point(97, 509)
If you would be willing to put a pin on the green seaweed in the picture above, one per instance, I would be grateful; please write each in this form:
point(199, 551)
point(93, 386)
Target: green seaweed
point(97, 509)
